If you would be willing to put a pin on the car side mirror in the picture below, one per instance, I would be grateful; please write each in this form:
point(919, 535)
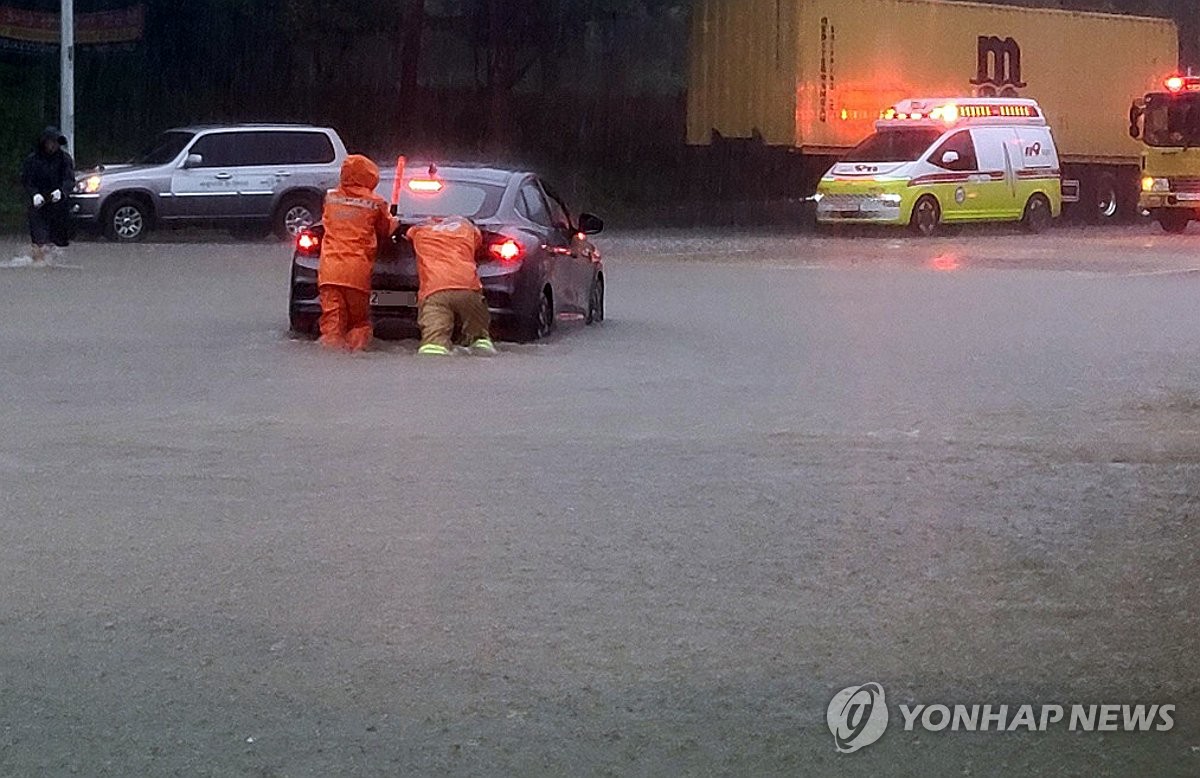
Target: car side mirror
point(590, 224)
point(950, 157)
point(193, 160)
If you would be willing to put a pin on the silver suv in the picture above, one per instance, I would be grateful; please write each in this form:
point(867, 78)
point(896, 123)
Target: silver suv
point(247, 177)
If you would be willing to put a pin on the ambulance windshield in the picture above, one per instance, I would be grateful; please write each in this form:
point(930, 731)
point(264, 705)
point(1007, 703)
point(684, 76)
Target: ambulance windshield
point(1173, 121)
point(894, 145)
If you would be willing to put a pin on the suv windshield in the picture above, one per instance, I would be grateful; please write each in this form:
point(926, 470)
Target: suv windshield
point(455, 198)
point(1172, 121)
point(165, 148)
point(894, 146)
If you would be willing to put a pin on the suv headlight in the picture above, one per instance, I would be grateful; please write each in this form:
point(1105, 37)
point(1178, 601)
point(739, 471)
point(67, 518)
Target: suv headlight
point(89, 185)
point(1156, 184)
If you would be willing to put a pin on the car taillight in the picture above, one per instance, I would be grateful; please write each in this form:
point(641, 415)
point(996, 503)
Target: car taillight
point(308, 244)
point(505, 250)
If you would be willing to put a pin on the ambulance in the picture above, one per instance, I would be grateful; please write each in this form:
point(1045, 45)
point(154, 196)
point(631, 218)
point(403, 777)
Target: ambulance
point(934, 162)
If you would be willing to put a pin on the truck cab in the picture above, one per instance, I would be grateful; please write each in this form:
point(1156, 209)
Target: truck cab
point(1168, 123)
point(945, 161)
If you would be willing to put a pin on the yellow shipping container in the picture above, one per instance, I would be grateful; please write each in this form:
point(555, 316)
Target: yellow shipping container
point(814, 74)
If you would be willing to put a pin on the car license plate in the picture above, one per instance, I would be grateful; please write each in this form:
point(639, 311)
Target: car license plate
point(387, 299)
point(1188, 197)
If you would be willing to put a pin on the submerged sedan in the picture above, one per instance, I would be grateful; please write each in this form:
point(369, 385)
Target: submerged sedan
point(537, 263)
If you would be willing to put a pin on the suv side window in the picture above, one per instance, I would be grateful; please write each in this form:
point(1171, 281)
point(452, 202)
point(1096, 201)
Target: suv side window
point(302, 148)
point(961, 143)
point(219, 149)
point(533, 206)
point(284, 148)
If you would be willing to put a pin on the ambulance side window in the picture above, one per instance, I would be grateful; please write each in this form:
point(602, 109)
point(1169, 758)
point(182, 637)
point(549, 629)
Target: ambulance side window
point(961, 144)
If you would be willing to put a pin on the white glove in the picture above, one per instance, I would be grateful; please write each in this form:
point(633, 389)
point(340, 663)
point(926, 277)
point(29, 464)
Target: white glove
point(56, 196)
point(38, 201)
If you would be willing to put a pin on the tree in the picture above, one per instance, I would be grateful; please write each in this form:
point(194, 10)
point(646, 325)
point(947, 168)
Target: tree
point(410, 62)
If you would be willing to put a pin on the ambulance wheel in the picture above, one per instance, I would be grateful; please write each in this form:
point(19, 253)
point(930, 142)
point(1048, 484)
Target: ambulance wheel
point(1174, 222)
point(1038, 216)
point(926, 217)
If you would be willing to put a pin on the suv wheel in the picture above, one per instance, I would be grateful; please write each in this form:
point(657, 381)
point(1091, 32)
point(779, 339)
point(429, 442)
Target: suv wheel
point(127, 220)
point(296, 213)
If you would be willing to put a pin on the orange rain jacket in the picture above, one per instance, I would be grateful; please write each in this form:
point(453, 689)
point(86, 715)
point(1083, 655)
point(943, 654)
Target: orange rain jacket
point(446, 252)
point(355, 220)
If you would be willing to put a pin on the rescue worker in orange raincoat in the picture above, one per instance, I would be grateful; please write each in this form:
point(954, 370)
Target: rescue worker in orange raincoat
point(356, 219)
point(450, 292)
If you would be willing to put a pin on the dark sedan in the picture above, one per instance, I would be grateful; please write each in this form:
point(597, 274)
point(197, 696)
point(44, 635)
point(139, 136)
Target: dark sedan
point(537, 263)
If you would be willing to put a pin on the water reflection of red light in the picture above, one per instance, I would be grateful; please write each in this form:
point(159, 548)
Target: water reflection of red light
point(946, 263)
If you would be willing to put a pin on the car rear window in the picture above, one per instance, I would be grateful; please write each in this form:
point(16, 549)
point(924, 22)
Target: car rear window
point(455, 198)
point(894, 146)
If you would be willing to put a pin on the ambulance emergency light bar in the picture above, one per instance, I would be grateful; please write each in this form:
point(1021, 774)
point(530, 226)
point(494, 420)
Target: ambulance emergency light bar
point(953, 111)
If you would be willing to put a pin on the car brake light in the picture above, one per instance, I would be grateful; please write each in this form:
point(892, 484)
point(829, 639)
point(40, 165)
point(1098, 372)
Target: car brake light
point(308, 244)
point(426, 185)
point(506, 250)
point(1175, 84)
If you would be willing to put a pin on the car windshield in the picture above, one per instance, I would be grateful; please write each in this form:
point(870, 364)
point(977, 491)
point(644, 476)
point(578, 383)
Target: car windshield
point(165, 148)
point(1172, 121)
point(894, 146)
point(452, 198)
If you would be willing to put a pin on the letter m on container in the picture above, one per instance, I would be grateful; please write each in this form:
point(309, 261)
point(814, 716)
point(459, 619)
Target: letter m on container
point(999, 67)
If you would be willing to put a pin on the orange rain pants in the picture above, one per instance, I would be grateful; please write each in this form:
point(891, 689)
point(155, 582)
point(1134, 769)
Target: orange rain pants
point(345, 318)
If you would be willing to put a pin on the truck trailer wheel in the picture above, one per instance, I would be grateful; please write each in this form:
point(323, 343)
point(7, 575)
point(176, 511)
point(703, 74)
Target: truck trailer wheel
point(926, 217)
point(1105, 201)
point(1175, 221)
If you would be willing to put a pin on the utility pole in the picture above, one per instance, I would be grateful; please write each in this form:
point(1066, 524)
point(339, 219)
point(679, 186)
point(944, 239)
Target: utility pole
point(67, 89)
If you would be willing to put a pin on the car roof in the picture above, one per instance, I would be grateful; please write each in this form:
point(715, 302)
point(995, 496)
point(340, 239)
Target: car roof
point(245, 126)
point(467, 173)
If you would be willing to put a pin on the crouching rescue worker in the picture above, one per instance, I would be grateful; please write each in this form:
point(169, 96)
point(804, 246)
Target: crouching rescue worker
point(451, 293)
point(356, 219)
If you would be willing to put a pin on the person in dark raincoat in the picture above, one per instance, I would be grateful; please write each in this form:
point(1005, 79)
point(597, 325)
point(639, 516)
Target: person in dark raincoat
point(48, 176)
